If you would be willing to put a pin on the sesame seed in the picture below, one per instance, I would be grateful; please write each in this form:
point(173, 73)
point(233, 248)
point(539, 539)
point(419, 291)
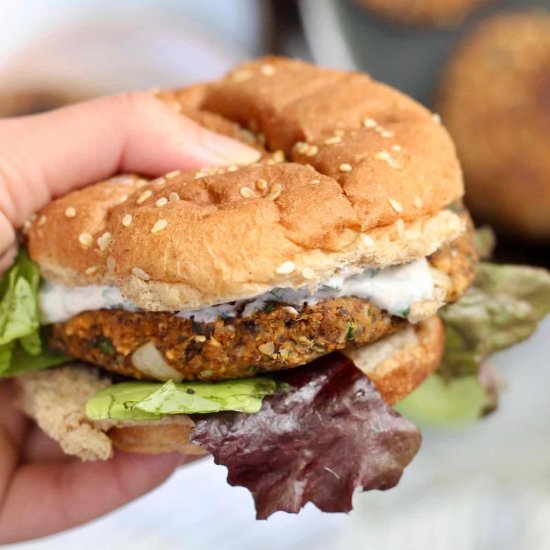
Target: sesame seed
point(159, 181)
point(275, 192)
point(200, 175)
point(85, 239)
point(140, 274)
point(144, 196)
point(393, 163)
point(315, 181)
point(261, 184)
point(301, 147)
point(121, 199)
point(396, 205)
point(174, 197)
point(400, 225)
point(91, 270)
point(345, 167)
point(104, 241)
point(173, 174)
point(127, 220)
point(395, 147)
point(232, 168)
point(241, 76)
point(308, 273)
point(42, 220)
point(291, 310)
point(200, 338)
point(123, 180)
point(366, 241)
point(111, 263)
point(332, 140)
point(386, 134)
point(159, 226)
point(247, 193)
point(418, 202)
point(339, 133)
point(286, 267)
point(278, 156)
point(161, 202)
point(141, 183)
point(267, 70)
point(382, 155)
point(70, 212)
point(436, 118)
point(369, 123)
point(312, 150)
point(267, 349)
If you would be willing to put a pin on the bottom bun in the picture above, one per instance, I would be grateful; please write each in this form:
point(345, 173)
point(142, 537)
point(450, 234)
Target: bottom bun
point(155, 439)
point(399, 363)
point(56, 398)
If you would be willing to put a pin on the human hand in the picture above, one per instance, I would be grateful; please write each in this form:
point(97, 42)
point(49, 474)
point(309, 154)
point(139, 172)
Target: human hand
point(42, 490)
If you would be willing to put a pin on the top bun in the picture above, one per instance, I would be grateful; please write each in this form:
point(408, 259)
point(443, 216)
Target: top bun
point(353, 173)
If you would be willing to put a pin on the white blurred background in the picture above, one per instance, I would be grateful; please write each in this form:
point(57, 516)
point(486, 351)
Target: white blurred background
point(479, 487)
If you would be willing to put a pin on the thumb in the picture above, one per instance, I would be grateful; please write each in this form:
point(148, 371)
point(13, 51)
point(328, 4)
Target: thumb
point(47, 155)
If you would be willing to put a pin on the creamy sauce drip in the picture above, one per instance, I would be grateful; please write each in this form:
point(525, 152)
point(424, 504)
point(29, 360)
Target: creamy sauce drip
point(394, 289)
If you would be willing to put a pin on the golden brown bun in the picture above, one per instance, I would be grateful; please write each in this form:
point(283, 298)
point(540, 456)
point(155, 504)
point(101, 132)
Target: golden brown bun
point(494, 101)
point(398, 363)
point(168, 438)
point(436, 13)
point(55, 398)
point(371, 173)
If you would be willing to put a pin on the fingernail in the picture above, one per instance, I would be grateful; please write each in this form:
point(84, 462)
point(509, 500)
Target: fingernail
point(225, 150)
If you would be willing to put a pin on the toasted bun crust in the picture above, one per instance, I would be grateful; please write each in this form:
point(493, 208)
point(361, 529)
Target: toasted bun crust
point(494, 100)
point(356, 173)
point(439, 13)
point(55, 398)
point(398, 363)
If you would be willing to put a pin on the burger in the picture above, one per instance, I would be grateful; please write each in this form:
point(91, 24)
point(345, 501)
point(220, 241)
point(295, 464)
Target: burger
point(269, 314)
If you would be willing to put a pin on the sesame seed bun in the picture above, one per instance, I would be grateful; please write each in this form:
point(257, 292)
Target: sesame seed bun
point(494, 100)
point(55, 398)
point(436, 13)
point(353, 174)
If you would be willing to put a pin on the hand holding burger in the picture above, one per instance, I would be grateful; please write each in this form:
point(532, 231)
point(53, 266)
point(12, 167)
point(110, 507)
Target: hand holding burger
point(269, 311)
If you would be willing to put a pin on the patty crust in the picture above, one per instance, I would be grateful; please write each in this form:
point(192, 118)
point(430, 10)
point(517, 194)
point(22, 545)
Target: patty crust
point(277, 338)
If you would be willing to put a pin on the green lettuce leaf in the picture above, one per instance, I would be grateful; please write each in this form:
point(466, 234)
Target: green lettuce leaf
point(152, 401)
point(453, 401)
point(21, 347)
point(503, 307)
point(440, 401)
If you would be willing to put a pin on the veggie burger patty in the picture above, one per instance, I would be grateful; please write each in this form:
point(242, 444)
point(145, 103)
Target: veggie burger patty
point(278, 337)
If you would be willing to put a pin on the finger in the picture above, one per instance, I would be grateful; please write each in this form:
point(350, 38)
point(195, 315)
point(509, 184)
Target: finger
point(38, 447)
point(13, 421)
point(47, 155)
point(63, 495)
point(7, 258)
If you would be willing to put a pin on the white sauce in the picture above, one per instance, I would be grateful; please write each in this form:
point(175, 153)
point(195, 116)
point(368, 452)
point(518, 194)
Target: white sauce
point(394, 289)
